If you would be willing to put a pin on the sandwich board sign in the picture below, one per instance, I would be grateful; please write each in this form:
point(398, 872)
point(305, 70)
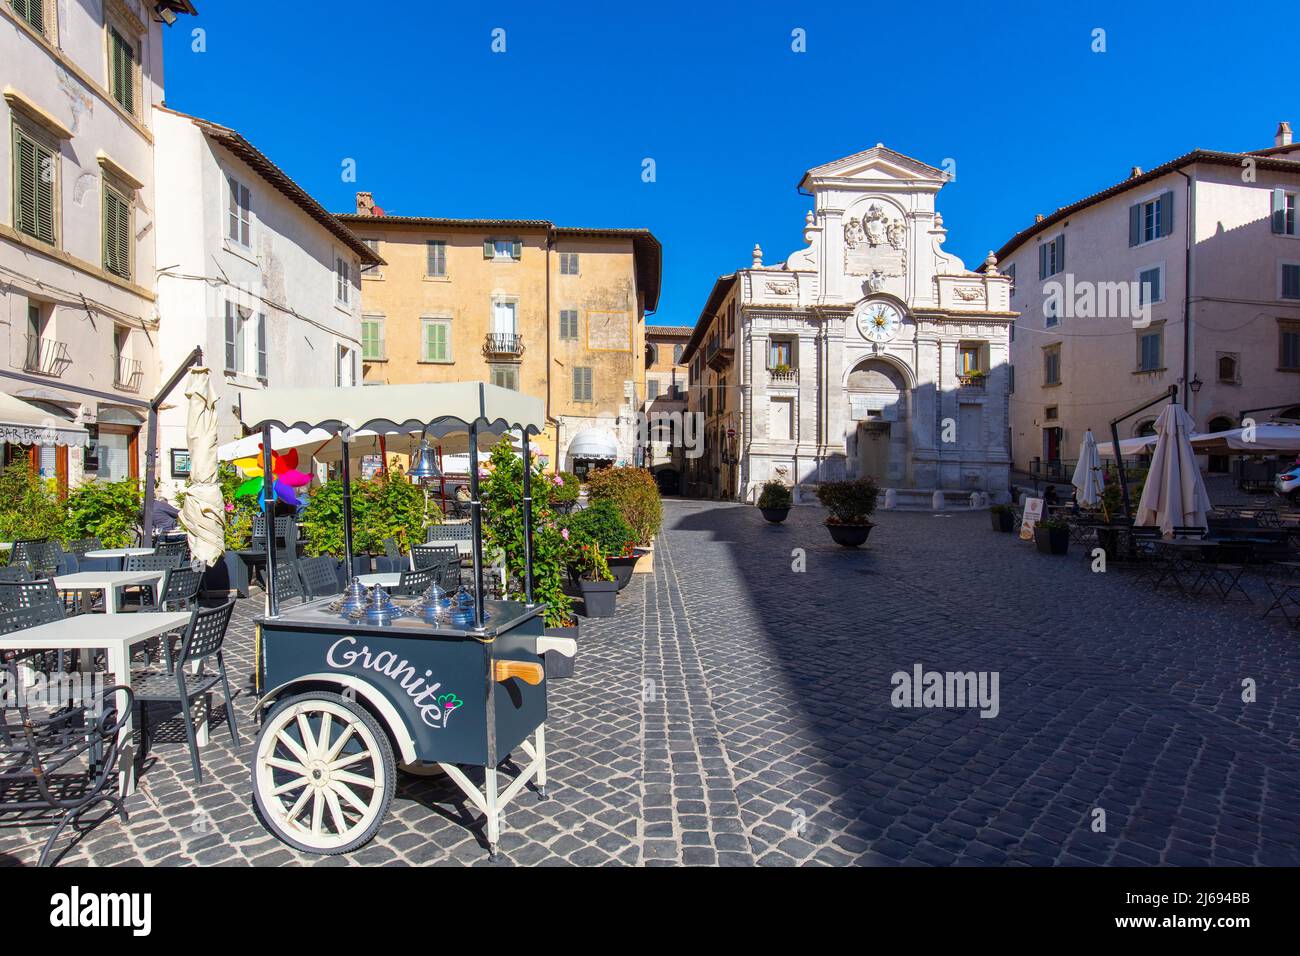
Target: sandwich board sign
point(1032, 515)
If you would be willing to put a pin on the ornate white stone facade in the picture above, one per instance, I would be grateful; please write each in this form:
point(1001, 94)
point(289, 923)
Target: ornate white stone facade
point(877, 325)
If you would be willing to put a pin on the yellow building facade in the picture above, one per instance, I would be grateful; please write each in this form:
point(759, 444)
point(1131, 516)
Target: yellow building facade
point(555, 312)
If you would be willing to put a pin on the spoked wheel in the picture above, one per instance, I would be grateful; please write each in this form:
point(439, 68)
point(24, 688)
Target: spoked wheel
point(323, 773)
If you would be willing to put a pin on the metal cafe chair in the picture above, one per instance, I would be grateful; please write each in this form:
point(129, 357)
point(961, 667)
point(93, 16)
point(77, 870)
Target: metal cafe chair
point(13, 619)
point(179, 591)
point(203, 640)
point(60, 764)
point(288, 583)
point(20, 594)
point(179, 547)
point(428, 555)
point(318, 577)
point(15, 572)
point(392, 559)
point(414, 582)
point(145, 594)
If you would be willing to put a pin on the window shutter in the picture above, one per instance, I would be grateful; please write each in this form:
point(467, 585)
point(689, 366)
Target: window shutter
point(1166, 213)
point(261, 346)
point(1279, 211)
point(1134, 224)
point(1060, 253)
point(516, 249)
point(489, 251)
point(26, 164)
point(230, 337)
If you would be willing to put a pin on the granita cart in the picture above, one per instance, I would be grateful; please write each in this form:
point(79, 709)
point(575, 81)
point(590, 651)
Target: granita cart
point(350, 699)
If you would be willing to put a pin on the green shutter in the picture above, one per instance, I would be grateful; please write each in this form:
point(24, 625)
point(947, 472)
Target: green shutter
point(123, 70)
point(33, 11)
point(1166, 213)
point(489, 249)
point(1135, 224)
point(34, 188)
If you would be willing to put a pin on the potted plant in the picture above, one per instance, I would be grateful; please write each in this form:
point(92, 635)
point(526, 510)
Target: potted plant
point(636, 495)
point(564, 494)
point(1052, 536)
point(602, 524)
point(1003, 518)
point(775, 501)
point(595, 581)
point(851, 504)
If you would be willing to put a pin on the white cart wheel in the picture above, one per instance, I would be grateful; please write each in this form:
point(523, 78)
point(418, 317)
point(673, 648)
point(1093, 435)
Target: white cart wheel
point(323, 773)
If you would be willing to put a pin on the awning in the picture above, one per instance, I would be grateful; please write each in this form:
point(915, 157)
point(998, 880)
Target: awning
point(1266, 438)
point(25, 424)
point(593, 443)
point(443, 409)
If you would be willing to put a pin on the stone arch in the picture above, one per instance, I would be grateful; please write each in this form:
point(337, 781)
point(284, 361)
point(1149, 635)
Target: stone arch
point(901, 369)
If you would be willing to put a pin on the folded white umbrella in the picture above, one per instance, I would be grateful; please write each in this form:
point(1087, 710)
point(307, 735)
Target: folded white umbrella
point(1174, 495)
point(204, 510)
point(1087, 473)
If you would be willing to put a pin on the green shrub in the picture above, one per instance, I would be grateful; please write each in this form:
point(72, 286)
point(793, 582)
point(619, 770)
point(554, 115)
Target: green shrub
point(502, 494)
point(602, 524)
point(566, 493)
point(775, 495)
point(382, 507)
point(107, 510)
point(634, 492)
point(31, 505)
point(849, 502)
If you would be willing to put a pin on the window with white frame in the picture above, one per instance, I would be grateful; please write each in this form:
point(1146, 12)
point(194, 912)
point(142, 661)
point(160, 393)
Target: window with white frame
point(568, 263)
point(1151, 285)
point(435, 339)
point(1284, 209)
point(342, 280)
point(568, 325)
point(245, 341)
point(372, 338)
point(503, 250)
point(1051, 257)
point(1150, 349)
point(435, 257)
point(240, 217)
point(344, 372)
point(1151, 219)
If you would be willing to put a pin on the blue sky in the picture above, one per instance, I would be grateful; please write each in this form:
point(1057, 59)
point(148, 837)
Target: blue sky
point(557, 126)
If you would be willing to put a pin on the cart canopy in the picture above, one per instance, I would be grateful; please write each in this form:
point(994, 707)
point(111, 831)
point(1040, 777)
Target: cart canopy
point(441, 409)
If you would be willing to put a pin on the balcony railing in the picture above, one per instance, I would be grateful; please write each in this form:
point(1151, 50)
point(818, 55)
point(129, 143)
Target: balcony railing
point(129, 375)
point(46, 356)
point(973, 379)
point(783, 376)
point(504, 343)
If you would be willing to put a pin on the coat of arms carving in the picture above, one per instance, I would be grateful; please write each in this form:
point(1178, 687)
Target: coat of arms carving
point(874, 244)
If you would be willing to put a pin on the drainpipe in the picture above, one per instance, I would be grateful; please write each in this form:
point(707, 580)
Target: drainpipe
point(550, 243)
point(1187, 289)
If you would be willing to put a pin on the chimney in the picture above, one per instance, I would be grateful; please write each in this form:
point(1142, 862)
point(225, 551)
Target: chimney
point(1135, 172)
point(1283, 135)
point(365, 204)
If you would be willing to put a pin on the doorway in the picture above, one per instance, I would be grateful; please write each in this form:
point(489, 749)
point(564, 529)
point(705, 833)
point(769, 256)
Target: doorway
point(873, 451)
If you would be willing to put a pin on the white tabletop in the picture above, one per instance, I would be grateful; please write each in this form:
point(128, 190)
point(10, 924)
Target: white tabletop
point(101, 580)
point(117, 552)
point(6, 545)
point(385, 579)
point(96, 630)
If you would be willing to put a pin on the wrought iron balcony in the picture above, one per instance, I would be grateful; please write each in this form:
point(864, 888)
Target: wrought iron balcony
point(129, 374)
point(46, 356)
point(503, 343)
point(718, 356)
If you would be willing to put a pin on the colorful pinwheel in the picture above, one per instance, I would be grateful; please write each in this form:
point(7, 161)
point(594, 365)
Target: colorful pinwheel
point(284, 472)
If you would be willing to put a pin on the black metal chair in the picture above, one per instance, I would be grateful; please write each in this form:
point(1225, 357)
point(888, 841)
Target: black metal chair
point(414, 582)
point(62, 763)
point(15, 572)
point(37, 555)
point(318, 577)
point(179, 547)
point(288, 582)
point(392, 559)
point(13, 619)
point(20, 594)
point(204, 637)
point(179, 591)
point(145, 594)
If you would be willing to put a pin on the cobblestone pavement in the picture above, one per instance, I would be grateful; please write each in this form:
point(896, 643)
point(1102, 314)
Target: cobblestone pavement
point(737, 711)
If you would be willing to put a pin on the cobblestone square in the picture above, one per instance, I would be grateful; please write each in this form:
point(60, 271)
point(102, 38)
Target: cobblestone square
point(737, 712)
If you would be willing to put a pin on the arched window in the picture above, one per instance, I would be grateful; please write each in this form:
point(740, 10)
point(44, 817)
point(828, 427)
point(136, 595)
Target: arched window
point(1228, 369)
point(1147, 427)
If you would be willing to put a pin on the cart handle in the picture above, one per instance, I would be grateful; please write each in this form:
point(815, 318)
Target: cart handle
point(527, 672)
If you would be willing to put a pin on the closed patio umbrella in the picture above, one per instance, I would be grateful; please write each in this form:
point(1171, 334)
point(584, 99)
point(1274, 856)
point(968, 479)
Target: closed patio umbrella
point(204, 510)
point(1087, 473)
point(1174, 495)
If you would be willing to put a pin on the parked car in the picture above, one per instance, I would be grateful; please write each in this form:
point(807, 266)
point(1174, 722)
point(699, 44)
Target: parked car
point(1287, 484)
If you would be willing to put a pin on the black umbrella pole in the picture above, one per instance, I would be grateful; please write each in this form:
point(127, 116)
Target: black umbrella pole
point(476, 526)
point(528, 519)
point(347, 508)
point(268, 519)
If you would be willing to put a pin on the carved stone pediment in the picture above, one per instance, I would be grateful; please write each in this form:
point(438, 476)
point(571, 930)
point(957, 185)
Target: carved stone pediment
point(875, 243)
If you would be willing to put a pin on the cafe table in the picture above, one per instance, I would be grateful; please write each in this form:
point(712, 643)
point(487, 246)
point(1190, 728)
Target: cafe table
point(114, 634)
point(384, 579)
point(110, 582)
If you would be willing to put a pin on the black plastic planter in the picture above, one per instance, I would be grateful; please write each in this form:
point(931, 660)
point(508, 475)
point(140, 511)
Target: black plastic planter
point(556, 664)
point(599, 597)
point(849, 535)
point(1003, 521)
point(775, 515)
point(1052, 540)
point(621, 567)
point(227, 575)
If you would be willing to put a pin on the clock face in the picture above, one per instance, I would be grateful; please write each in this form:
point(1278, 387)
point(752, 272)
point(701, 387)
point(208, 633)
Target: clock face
point(879, 321)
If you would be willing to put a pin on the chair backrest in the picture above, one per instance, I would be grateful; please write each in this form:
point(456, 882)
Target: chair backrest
point(391, 548)
point(82, 545)
point(21, 594)
point(37, 555)
point(287, 582)
point(318, 577)
point(449, 532)
point(414, 582)
point(14, 572)
point(151, 562)
point(205, 632)
point(180, 546)
point(433, 555)
point(180, 586)
point(1189, 532)
point(20, 618)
